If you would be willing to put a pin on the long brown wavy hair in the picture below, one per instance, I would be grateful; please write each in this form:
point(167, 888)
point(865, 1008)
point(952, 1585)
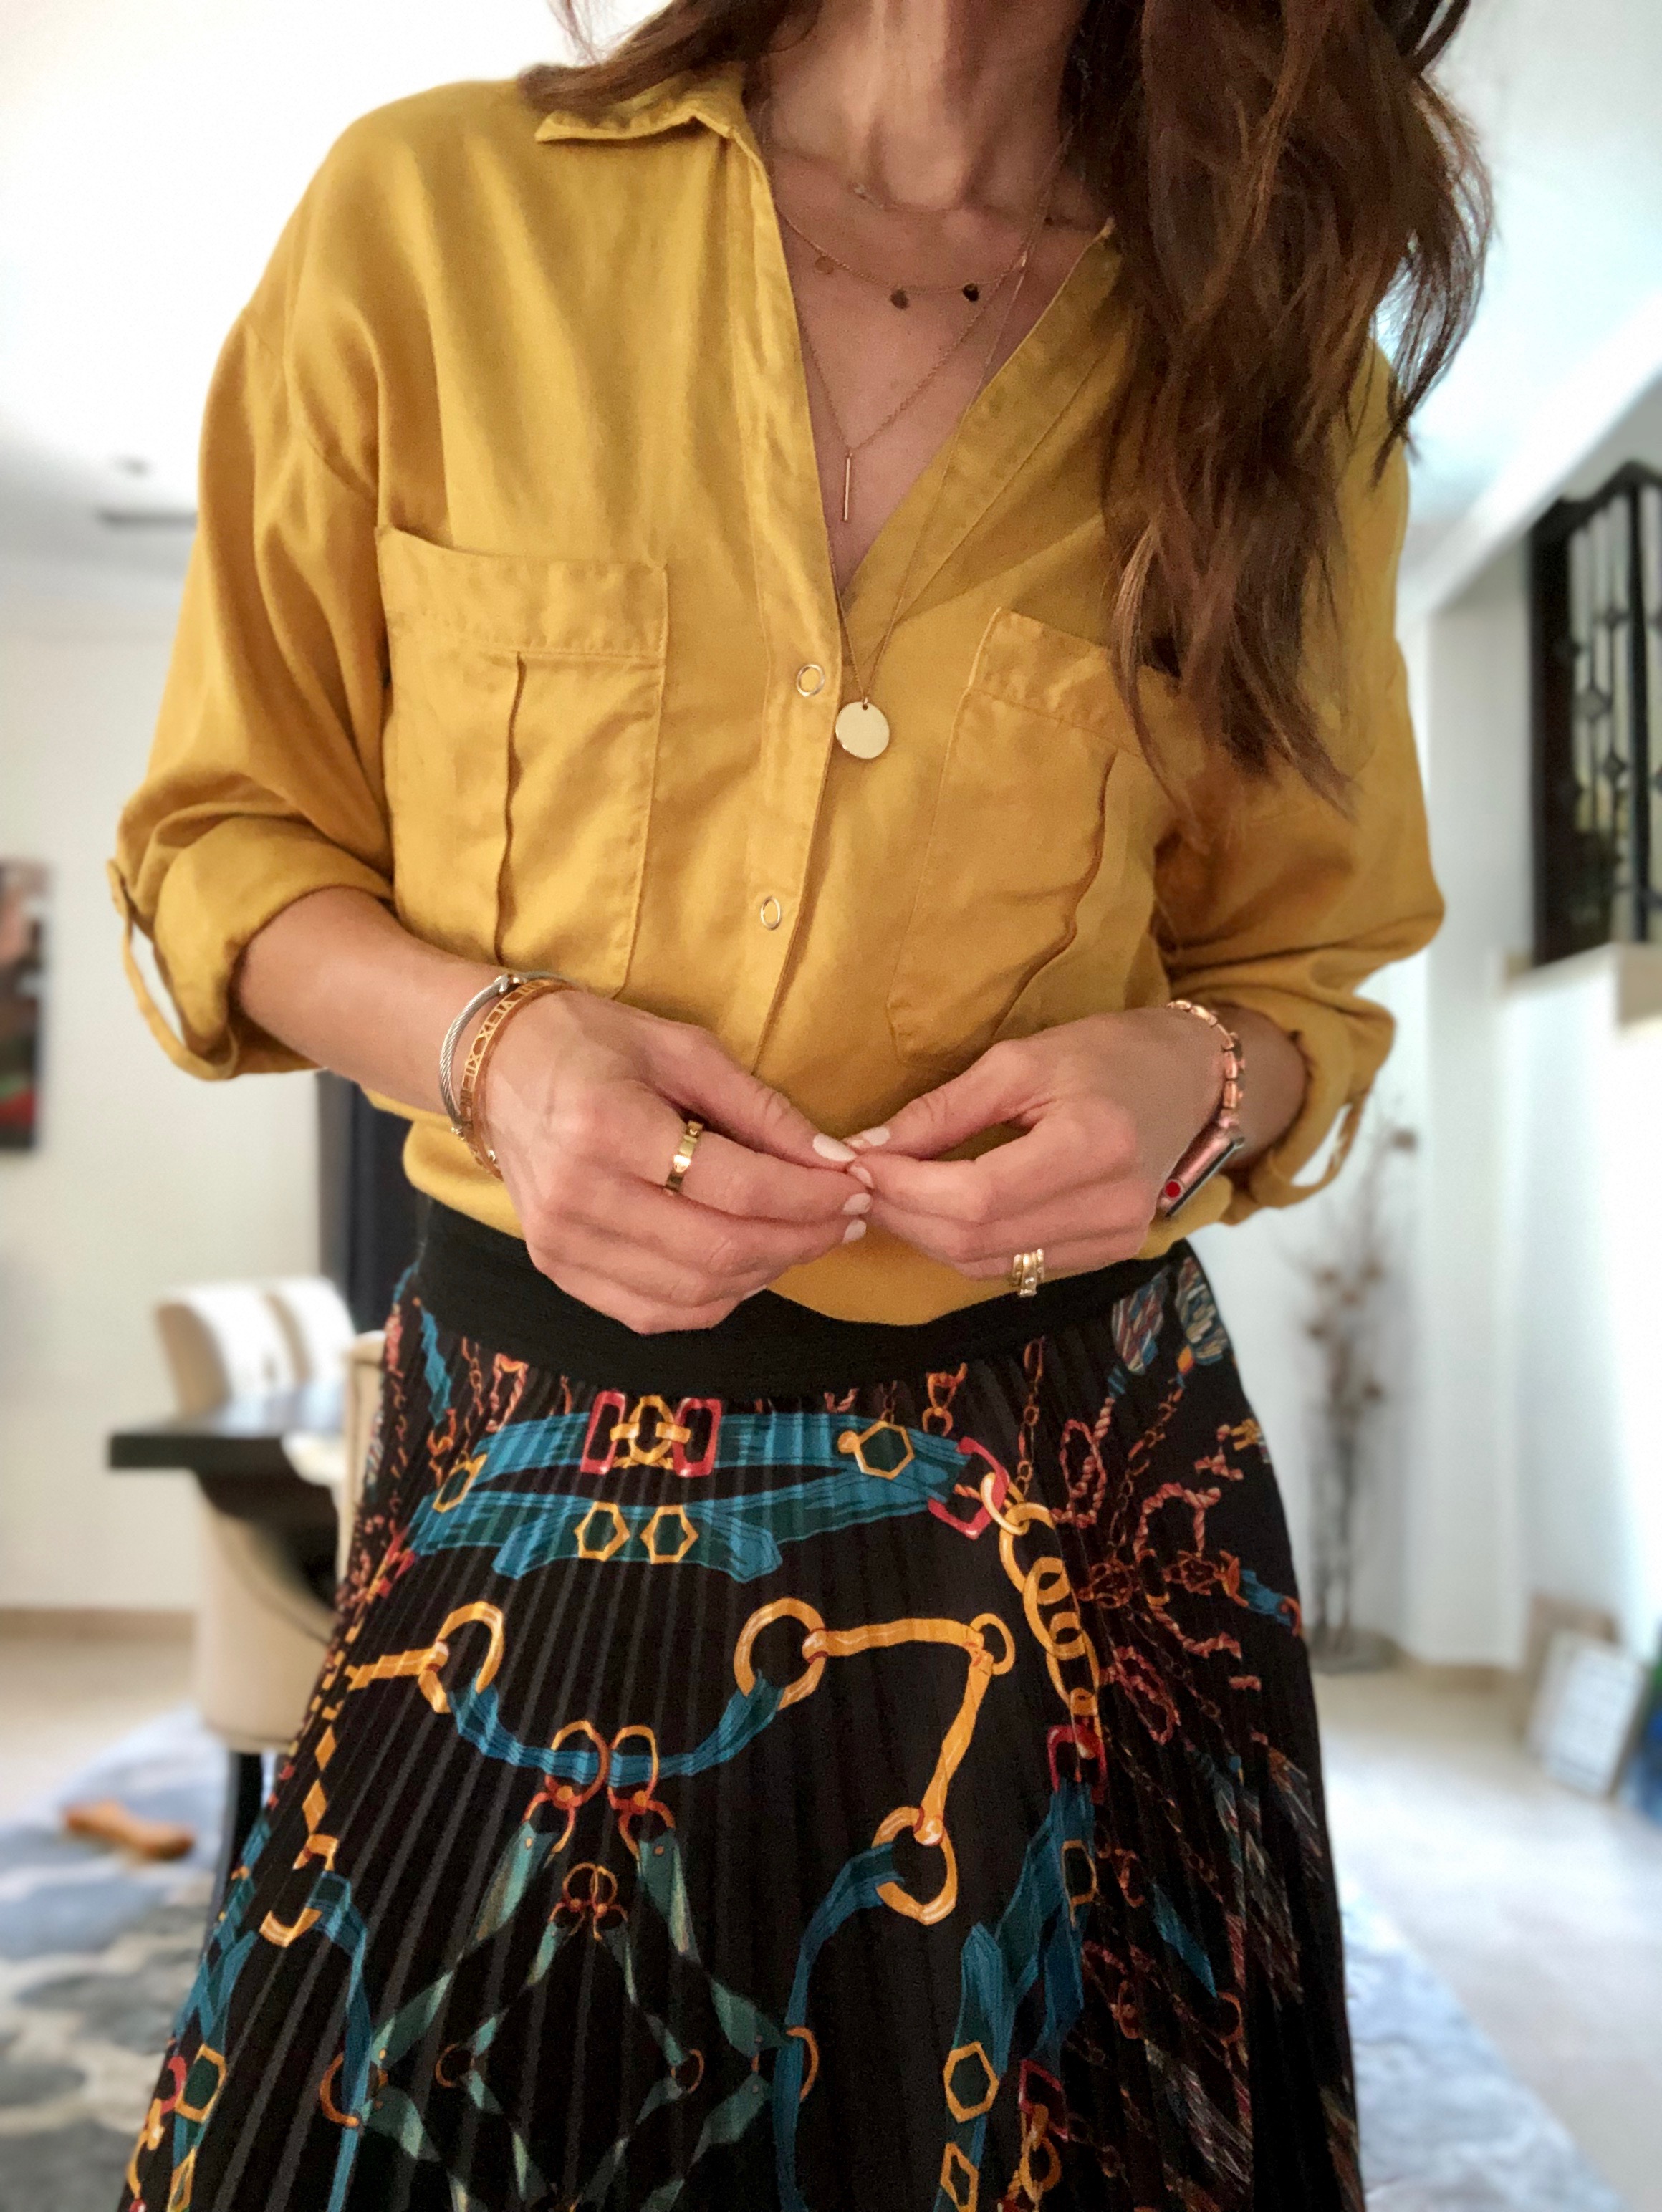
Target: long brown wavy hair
point(1278, 172)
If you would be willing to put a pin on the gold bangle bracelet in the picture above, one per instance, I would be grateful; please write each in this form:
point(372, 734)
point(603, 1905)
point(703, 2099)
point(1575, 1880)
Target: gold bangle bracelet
point(478, 1058)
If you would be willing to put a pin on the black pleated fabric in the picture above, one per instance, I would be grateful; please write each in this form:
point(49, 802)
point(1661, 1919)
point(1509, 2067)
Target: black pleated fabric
point(899, 1798)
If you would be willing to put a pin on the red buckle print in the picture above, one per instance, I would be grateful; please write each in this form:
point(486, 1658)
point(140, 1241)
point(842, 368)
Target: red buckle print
point(1085, 1741)
point(968, 1448)
point(612, 1403)
point(687, 1464)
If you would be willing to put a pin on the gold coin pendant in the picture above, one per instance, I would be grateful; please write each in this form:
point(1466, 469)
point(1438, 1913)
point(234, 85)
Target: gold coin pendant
point(863, 730)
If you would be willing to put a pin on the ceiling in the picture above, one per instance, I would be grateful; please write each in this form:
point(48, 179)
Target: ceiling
point(1568, 102)
point(150, 149)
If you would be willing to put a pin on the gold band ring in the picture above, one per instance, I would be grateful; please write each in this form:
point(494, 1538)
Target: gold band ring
point(691, 1133)
point(1027, 1273)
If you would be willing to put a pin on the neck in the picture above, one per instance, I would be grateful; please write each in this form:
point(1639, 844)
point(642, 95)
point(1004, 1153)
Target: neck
point(929, 103)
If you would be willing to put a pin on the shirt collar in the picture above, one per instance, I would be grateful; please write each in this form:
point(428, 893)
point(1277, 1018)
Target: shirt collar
point(715, 98)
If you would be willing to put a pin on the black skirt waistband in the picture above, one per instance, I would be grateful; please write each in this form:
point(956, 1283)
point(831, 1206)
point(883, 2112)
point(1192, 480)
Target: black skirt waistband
point(477, 1283)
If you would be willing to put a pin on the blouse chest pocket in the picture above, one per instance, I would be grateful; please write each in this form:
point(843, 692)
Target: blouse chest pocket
point(1017, 837)
point(521, 747)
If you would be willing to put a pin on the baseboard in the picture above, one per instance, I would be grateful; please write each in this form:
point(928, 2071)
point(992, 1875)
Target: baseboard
point(101, 1624)
point(1473, 1677)
point(1444, 1674)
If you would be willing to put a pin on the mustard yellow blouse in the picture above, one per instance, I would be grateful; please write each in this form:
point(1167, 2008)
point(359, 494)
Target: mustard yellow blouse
point(511, 605)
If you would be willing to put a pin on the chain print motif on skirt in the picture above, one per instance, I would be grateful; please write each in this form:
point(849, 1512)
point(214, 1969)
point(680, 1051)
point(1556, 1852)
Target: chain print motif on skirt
point(907, 1798)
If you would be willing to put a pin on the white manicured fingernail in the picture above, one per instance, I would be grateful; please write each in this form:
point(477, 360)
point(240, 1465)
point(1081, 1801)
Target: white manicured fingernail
point(863, 1174)
point(831, 1148)
point(854, 1232)
point(860, 1203)
point(867, 1138)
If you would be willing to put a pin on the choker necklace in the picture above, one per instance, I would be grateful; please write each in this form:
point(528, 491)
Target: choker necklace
point(852, 186)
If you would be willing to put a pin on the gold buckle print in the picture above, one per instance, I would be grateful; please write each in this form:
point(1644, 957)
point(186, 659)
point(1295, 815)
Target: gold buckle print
point(217, 2060)
point(961, 2108)
point(664, 1432)
point(856, 1444)
point(956, 2168)
point(989, 1648)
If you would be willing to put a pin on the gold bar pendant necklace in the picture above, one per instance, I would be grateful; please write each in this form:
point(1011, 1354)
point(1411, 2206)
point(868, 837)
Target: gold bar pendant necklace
point(861, 727)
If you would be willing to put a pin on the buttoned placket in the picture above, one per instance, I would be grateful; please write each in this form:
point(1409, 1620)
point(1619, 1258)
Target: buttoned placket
point(795, 594)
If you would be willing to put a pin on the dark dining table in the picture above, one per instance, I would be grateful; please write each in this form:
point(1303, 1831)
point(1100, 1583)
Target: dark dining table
point(236, 1453)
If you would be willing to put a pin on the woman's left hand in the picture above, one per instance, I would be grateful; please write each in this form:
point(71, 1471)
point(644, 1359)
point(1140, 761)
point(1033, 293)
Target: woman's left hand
point(1107, 1106)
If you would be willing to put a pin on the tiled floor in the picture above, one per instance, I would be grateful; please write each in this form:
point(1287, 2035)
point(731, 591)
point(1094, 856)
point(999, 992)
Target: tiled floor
point(66, 1698)
point(1541, 1909)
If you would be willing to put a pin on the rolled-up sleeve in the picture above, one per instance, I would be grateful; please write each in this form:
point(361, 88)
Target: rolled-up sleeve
point(1292, 904)
point(264, 782)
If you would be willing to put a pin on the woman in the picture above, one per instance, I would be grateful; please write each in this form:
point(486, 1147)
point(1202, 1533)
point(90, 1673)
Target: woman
point(860, 540)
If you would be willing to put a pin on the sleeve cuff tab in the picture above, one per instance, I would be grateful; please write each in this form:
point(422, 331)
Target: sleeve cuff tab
point(160, 1028)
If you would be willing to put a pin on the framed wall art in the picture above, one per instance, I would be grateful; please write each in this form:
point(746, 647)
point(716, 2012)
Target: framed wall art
point(22, 978)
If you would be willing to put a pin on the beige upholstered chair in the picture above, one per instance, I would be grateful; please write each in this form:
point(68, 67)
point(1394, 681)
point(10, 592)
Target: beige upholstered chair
point(223, 1341)
point(261, 1625)
point(316, 1321)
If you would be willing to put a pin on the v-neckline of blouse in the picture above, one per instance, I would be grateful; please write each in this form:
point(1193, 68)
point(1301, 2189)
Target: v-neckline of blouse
point(977, 462)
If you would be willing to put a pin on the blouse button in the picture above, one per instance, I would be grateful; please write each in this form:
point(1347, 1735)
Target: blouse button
point(771, 914)
point(810, 680)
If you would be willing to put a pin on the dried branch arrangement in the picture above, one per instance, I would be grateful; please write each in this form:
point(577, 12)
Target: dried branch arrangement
point(1346, 1323)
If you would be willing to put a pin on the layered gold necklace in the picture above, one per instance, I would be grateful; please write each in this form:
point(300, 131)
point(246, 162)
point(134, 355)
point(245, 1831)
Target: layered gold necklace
point(863, 728)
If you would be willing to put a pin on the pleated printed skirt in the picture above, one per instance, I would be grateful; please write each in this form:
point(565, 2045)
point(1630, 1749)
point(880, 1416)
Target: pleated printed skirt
point(900, 1799)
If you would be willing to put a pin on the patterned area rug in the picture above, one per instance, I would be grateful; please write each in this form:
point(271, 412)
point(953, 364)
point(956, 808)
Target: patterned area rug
point(96, 1951)
point(1445, 2126)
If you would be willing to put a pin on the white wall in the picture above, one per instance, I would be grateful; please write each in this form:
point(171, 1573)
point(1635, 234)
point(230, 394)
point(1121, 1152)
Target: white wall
point(142, 1178)
point(1471, 667)
point(1582, 1048)
point(1522, 1453)
point(1538, 1281)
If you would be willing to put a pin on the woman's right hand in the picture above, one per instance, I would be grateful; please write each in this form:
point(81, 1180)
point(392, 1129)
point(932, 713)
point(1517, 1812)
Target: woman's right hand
point(584, 1103)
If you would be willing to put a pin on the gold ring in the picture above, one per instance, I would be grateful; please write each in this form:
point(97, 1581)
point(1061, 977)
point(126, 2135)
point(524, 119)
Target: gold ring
point(683, 1160)
point(1027, 1273)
